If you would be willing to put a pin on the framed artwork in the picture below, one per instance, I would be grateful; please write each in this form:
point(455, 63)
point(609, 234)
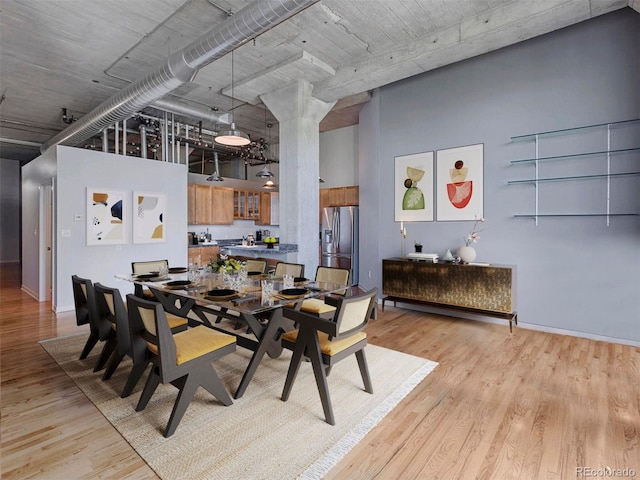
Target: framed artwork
point(106, 217)
point(413, 187)
point(460, 183)
point(148, 217)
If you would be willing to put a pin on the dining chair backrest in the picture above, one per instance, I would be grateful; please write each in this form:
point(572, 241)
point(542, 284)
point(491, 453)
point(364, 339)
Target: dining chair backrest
point(149, 266)
point(353, 313)
point(295, 269)
point(332, 275)
point(84, 301)
point(256, 265)
point(110, 307)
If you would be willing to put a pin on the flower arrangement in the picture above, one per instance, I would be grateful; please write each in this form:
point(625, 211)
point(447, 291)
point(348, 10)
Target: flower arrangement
point(473, 235)
point(228, 265)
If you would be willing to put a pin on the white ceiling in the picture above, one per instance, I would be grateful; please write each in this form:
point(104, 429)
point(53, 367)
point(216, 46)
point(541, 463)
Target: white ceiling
point(75, 54)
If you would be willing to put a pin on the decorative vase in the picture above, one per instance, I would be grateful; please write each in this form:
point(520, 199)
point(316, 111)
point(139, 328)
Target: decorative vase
point(467, 254)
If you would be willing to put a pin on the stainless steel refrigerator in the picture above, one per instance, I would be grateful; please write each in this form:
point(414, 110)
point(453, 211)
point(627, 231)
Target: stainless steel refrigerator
point(339, 239)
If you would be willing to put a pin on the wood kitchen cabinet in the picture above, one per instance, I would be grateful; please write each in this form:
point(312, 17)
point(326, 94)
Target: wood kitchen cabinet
point(202, 255)
point(339, 196)
point(246, 205)
point(264, 217)
point(209, 205)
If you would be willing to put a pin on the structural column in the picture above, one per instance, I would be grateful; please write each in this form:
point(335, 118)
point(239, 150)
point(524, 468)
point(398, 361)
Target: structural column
point(299, 115)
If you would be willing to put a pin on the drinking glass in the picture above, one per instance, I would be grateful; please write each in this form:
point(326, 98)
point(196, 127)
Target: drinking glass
point(163, 271)
point(287, 280)
point(267, 289)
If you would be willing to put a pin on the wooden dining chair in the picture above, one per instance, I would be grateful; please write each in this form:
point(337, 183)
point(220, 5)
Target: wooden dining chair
point(318, 306)
point(183, 359)
point(256, 265)
point(151, 266)
point(86, 313)
point(325, 342)
point(284, 268)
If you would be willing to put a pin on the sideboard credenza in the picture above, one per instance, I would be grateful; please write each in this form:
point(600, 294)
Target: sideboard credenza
point(487, 290)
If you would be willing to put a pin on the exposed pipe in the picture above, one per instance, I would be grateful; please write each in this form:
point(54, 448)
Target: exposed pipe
point(143, 140)
point(124, 137)
point(116, 129)
point(181, 67)
point(105, 140)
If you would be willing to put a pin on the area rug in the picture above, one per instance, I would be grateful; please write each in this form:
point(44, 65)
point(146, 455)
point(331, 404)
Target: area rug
point(259, 436)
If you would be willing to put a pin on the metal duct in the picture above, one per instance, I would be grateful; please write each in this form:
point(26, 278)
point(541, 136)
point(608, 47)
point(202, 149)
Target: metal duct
point(181, 67)
point(191, 111)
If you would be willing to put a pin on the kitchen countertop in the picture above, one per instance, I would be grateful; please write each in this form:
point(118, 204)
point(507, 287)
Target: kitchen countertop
point(259, 247)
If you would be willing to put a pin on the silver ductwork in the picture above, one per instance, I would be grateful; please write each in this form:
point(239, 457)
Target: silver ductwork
point(191, 111)
point(180, 68)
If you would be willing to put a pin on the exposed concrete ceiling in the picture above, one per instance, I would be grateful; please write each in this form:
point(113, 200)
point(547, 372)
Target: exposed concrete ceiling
point(75, 54)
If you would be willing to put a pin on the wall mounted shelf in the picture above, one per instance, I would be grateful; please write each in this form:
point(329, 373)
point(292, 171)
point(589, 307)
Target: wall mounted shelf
point(608, 176)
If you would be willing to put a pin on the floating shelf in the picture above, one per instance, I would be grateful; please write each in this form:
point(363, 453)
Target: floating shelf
point(565, 131)
point(532, 215)
point(577, 177)
point(575, 155)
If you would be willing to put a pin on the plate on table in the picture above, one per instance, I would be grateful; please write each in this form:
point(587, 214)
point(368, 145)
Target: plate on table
point(178, 284)
point(293, 292)
point(221, 294)
point(147, 276)
point(300, 280)
point(252, 274)
point(178, 270)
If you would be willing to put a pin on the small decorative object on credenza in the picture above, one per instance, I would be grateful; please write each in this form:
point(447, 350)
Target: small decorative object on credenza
point(467, 253)
point(418, 247)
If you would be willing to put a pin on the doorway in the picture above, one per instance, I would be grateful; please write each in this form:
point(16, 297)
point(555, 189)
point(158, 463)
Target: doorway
point(46, 270)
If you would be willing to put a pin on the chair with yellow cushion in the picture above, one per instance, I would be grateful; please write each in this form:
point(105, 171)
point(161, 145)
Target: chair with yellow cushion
point(111, 308)
point(326, 342)
point(151, 266)
point(318, 306)
point(256, 265)
point(295, 269)
point(86, 313)
point(183, 359)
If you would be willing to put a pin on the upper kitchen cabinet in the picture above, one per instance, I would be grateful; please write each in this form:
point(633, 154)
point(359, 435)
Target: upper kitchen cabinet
point(246, 205)
point(269, 209)
point(209, 205)
point(339, 196)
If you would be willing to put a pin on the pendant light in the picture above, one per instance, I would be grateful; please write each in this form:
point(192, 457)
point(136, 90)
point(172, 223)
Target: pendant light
point(265, 172)
point(232, 137)
point(215, 177)
point(269, 185)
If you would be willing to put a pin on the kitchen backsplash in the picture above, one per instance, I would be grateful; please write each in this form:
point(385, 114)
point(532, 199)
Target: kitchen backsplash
point(239, 229)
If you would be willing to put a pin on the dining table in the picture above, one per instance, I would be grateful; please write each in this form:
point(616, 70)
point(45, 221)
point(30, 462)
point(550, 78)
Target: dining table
point(255, 319)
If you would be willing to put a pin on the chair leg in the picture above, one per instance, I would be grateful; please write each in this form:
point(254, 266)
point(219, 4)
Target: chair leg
point(109, 347)
point(185, 395)
point(364, 371)
point(323, 387)
point(114, 361)
point(136, 373)
point(153, 380)
point(210, 381)
point(91, 342)
point(294, 366)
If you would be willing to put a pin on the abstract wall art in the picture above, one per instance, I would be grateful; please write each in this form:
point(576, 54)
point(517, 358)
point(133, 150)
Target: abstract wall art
point(460, 183)
point(414, 187)
point(106, 217)
point(148, 217)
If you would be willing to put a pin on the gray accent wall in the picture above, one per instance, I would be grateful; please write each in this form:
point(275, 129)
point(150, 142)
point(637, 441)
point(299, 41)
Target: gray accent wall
point(576, 274)
point(9, 210)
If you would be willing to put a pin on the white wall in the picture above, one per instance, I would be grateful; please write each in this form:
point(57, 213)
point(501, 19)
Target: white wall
point(75, 170)
point(9, 210)
point(339, 157)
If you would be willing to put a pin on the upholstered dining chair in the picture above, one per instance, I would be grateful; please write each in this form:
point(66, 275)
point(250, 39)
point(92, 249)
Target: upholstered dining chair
point(86, 313)
point(256, 265)
point(111, 307)
point(284, 268)
point(326, 342)
point(138, 268)
point(318, 306)
point(184, 359)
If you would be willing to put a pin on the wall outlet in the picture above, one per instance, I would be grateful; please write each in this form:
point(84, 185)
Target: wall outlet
point(77, 217)
point(66, 233)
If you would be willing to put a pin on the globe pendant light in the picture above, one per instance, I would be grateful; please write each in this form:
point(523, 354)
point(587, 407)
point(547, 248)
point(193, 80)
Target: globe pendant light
point(232, 137)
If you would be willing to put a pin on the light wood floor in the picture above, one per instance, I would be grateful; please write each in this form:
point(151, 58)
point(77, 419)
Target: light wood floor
point(527, 405)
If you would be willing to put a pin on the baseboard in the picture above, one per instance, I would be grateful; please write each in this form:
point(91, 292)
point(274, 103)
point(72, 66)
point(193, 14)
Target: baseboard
point(64, 308)
point(528, 326)
point(30, 292)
